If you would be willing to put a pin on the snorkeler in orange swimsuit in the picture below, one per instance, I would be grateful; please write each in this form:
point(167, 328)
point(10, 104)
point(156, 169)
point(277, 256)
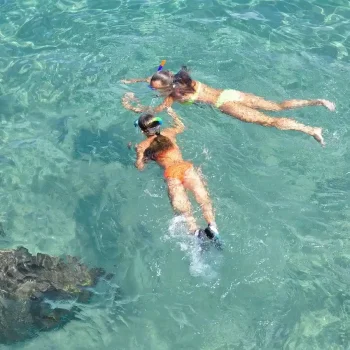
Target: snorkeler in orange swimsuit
point(178, 173)
point(243, 106)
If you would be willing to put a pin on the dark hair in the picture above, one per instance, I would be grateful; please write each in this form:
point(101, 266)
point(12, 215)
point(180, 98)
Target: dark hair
point(158, 145)
point(146, 121)
point(182, 83)
point(164, 76)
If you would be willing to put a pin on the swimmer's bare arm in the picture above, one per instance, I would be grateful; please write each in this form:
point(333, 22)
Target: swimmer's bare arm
point(178, 126)
point(137, 80)
point(167, 103)
point(126, 101)
point(140, 149)
point(130, 96)
point(140, 164)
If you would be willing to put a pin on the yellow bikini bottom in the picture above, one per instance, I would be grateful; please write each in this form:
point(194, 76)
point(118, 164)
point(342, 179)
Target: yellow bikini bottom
point(227, 96)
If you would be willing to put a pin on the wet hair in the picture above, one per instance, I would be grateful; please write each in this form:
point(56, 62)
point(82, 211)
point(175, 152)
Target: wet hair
point(164, 76)
point(182, 83)
point(160, 143)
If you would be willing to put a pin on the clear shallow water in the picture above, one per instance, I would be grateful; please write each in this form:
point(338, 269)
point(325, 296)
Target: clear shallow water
point(68, 184)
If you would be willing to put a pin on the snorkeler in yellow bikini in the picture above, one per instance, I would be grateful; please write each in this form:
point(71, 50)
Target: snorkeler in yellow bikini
point(181, 88)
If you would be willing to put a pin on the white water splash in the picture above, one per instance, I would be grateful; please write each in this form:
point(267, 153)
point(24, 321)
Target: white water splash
point(199, 260)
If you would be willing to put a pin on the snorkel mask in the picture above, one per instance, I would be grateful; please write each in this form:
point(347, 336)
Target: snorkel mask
point(150, 131)
point(160, 67)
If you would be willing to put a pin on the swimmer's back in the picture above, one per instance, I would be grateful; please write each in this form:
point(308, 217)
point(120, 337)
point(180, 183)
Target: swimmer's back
point(203, 94)
point(164, 150)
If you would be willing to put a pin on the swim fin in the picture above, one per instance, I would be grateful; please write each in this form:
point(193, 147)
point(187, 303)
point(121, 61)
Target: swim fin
point(213, 234)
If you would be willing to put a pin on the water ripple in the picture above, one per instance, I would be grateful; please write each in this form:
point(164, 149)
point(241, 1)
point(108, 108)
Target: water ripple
point(69, 185)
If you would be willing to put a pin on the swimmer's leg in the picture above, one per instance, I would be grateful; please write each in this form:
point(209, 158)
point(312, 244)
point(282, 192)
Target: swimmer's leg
point(257, 102)
point(194, 183)
point(250, 115)
point(180, 202)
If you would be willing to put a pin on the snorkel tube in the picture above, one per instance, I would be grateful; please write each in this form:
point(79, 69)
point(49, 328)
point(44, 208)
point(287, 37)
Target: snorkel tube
point(162, 64)
point(160, 67)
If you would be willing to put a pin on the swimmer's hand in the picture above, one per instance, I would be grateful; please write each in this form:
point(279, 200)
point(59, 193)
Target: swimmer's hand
point(139, 165)
point(126, 101)
point(179, 126)
point(327, 104)
point(129, 96)
point(131, 81)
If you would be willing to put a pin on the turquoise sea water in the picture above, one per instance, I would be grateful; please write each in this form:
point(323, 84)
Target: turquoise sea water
point(68, 184)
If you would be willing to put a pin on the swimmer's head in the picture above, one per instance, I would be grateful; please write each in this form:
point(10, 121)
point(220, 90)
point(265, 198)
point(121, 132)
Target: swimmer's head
point(182, 84)
point(162, 81)
point(149, 124)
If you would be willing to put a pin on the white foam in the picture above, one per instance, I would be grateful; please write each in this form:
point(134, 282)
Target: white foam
point(61, 304)
point(199, 264)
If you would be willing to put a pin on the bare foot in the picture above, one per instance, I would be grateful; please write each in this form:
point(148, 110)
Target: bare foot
point(328, 104)
point(317, 135)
